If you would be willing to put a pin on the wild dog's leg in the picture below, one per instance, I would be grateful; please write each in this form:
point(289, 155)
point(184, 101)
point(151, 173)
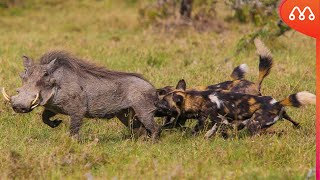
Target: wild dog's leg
point(287, 117)
point(212, 131)
point(216, 121)
point(167, 120)
point(243, 124)
point(181, 122)
point(225, 126)
point(262, 120)
point(171, 122)
point(46, 115)
point(200, 125)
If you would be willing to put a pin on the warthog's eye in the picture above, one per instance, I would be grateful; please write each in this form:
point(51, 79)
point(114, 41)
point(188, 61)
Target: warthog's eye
point(45, 73)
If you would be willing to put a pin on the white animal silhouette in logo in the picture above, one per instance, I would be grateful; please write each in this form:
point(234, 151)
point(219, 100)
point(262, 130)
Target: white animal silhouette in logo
point(301, 15)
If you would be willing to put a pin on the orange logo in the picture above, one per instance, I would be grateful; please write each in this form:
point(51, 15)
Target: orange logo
point(302, 15)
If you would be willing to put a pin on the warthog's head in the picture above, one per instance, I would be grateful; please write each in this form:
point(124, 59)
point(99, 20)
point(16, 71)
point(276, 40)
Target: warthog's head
point(37, 87)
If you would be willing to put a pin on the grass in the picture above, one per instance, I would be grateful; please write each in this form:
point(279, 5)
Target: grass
point(109, 33)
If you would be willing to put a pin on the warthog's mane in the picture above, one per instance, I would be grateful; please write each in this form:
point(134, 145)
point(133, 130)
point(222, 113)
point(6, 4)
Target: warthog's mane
point(81, 67)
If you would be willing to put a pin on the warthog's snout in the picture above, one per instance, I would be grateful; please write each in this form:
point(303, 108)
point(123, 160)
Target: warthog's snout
point(20, 108)
point(24, 102)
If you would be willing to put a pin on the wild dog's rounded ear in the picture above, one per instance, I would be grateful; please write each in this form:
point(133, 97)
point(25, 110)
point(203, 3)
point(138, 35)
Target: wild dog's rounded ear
point(181, 85)
point(161, 92)
point(27, 62)
point(178, 99)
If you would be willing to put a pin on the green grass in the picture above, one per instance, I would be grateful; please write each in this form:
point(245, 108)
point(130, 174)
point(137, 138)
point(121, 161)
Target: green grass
point(109, 34)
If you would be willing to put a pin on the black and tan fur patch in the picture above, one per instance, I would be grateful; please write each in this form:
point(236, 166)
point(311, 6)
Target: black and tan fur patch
point(263, 111)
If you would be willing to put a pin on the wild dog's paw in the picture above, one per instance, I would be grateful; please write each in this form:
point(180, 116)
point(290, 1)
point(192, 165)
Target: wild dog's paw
point(297, 126)
point(194, 132)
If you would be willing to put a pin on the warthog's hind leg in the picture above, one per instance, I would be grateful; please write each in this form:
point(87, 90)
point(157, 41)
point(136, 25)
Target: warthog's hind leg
point(75, 124)
point(46, 115)
point(127, 117)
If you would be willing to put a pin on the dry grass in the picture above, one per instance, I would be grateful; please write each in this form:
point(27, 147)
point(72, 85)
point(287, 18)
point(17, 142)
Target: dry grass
point(109, 34)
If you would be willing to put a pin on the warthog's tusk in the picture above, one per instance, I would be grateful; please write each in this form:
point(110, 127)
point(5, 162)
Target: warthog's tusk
point(5, 95)
point(51, 94)
point(34, 106)
point(35, 100)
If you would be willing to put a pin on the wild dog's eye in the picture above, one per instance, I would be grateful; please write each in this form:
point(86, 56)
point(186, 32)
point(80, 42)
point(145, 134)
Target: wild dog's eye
point(178, 99)
point(161, 92)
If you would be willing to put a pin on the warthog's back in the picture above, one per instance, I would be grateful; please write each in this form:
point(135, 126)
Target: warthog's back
point(102, 92)
point(108, 96)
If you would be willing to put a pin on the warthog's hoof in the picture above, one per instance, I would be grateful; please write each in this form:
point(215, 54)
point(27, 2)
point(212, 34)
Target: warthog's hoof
point(55, 123)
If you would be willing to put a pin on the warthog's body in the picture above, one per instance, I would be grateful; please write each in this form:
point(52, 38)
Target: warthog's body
point(70, 86)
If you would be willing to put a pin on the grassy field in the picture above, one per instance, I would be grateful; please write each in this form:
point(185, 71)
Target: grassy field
point(110, 35)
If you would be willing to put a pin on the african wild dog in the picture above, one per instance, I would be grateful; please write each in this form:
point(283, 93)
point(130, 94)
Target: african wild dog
point(255, 112)
point(238, 84)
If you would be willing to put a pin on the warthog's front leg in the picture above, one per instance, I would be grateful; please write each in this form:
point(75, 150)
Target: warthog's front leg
point(46, 115)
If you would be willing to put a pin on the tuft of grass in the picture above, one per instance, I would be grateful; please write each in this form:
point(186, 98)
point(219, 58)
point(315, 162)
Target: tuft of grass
point(108, 33)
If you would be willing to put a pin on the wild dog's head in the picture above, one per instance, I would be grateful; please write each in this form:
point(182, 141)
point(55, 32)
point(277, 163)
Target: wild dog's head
point(172, 102)
point(161, 92)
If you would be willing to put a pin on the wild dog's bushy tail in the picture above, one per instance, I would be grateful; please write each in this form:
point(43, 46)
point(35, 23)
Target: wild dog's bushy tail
point(299, 99)
point(265, 61)
point(239, 72)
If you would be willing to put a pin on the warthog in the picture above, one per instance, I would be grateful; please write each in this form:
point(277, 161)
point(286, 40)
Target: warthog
point(68, 85)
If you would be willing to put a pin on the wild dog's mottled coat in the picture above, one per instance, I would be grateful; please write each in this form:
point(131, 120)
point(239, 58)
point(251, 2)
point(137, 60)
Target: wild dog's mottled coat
point(238, 84)
point(263, 111)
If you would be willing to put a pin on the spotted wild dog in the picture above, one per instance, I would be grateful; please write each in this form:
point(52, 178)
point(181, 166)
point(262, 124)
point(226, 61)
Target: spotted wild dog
point(255, 112)
point(238, 84)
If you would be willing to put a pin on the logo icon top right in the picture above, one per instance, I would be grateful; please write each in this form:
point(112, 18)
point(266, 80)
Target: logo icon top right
point(302, 16)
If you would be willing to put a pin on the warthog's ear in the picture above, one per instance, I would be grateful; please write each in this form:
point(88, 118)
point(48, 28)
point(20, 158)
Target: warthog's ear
point(51, 66)
point(27, 62)
point(181, 85)
point(46, 95)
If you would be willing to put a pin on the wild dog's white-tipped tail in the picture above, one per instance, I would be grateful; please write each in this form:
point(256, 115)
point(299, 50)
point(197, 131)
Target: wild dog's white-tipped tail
point(244, 68)
point(239, 72)
point(306, 98)
point(262, 49)
point(265, 61)
point(299, 99)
